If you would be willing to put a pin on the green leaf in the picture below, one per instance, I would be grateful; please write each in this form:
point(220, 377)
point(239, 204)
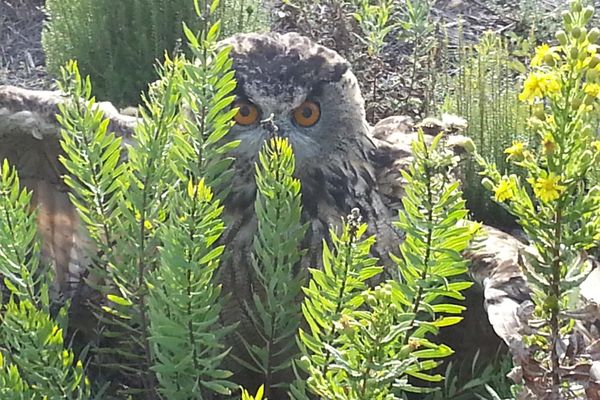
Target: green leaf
point(119, 300)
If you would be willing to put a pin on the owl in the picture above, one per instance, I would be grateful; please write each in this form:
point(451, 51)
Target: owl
point(290, 87)
point(293, 88)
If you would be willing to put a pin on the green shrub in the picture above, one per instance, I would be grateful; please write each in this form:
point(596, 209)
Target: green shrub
point(364, 342)
point(418, 32)
point(117, 43)
point(275, 311)
point(155, 219)
point(484, 92)
point(239, 16)
point(374, 21)
point(34, 362)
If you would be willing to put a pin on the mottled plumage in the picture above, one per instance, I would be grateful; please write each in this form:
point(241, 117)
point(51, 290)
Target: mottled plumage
point(29, 139)
point(277, 73)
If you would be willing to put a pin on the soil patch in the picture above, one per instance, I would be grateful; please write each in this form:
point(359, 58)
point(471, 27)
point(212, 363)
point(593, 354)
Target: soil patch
point(21, 54)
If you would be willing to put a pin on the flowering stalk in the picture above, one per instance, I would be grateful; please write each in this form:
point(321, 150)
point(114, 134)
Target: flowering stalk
point(557, 204)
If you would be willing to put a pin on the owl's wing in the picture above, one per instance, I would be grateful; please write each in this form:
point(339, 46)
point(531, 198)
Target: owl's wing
point(392, 137)
point(29, 139)
point(495, 259)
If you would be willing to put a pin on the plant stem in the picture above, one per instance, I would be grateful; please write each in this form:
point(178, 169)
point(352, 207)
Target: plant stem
point(189, 276)
point(269, 374)
point(555, 309)
point(429, 204)
point(141, 268)
point(415, 62)
point(347, 259)
point(148, 381)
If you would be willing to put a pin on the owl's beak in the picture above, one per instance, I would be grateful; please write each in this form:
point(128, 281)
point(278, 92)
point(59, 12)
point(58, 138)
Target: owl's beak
point(270, 126)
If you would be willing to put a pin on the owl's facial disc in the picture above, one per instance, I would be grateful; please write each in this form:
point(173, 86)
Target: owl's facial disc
point(297, 119)
point(305, 115)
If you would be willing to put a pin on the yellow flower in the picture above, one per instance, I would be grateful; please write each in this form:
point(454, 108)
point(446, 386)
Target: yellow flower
point(539, 84)
point(516, 151)
point(596, 145)
point(592, 89)
point(547, 189)
point(531, 89)
point(505, 190)
point(544, 53)
point(147, 224)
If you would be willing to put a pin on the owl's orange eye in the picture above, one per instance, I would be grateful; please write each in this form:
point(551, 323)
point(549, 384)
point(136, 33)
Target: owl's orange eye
point(307, 114)
point(247, 112)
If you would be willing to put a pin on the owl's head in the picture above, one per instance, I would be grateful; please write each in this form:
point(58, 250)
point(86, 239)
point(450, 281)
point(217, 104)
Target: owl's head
point(306, 92)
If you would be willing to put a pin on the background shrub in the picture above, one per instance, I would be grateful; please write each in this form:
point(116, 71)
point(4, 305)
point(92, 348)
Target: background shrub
point(484, 90)
point(242, 16)
point(118, 43)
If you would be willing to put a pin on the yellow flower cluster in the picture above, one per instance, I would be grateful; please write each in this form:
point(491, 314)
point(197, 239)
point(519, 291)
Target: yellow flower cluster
point(547, 188)
point(505, 190)
point(538, 85)
point(545, 54)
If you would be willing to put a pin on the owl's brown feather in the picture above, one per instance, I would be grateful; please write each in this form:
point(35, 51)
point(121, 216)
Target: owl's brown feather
point(29, 140)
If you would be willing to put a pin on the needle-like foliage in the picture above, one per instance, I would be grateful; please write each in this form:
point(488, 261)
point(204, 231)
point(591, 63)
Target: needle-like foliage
point(121, 206)
point(274, 310)
point(184, 303)
point(154, 219)
point(365, 343)
point(19, 245)
point(437, 232)
point(334, 294)
point(34, 363)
